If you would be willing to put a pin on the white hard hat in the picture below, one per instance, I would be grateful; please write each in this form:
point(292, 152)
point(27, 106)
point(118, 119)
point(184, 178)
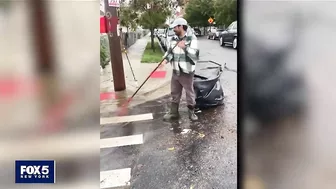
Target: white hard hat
point(179, 21)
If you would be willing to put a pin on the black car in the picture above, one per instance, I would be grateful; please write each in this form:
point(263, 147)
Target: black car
point(229, 35)
point(197, 31)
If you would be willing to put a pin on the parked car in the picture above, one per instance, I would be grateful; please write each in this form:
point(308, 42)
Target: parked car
point(197, 31)
point(168, 34)
point(229, 36)
point(160, 33)
point(214, 33)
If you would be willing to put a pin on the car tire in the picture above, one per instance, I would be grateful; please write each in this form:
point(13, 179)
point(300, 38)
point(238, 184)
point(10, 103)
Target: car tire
point(221, 43)
point(234, 43)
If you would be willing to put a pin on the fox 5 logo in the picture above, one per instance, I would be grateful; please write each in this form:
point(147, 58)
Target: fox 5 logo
point(35, 171)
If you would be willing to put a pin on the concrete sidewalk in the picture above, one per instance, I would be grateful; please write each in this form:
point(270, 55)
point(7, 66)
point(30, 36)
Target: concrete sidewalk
point(141, 72)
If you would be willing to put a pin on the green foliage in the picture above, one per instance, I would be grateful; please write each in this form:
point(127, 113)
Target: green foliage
point(103, 57)
point(150, 56)
point(225, 11)
point(104, 52)
point(152, 16)
point(199, 11)
point(128, 17)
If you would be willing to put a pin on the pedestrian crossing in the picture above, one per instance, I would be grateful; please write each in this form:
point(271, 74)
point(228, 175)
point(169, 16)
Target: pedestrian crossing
point(120, 177)
point(121, 141)
point(123, 119)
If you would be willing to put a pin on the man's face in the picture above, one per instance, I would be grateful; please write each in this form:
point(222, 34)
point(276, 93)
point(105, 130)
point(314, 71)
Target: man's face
point(177, 29)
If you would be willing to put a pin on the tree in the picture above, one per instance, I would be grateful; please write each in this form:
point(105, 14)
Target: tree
point(128, 17)
point(152, 14)
point(199, 11)
point(225, 11)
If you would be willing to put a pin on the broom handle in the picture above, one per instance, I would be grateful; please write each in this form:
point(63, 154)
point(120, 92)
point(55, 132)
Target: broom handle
point(151, 73)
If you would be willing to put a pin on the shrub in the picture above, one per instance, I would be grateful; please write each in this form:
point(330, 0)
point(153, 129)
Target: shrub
point(104, 51)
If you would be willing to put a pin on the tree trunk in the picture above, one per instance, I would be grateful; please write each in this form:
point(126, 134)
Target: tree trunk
point(152, 39)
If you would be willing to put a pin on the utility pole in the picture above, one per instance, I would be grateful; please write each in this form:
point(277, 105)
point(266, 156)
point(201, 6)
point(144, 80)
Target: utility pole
point(114, 43)
point(44, 52)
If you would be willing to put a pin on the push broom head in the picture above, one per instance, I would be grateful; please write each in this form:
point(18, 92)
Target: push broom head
point(122, 111)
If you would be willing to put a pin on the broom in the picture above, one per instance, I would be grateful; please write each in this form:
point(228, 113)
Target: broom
point(124, 106)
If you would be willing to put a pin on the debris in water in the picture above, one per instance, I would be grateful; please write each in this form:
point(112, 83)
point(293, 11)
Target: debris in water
point(171, 149)
point(185, 131)
point(201, 135)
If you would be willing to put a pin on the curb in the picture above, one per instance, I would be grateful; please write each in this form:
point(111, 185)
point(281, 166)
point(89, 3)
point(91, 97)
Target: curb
point(148, 92)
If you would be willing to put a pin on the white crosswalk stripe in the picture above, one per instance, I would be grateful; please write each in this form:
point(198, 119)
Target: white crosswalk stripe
point(121, 141)
point(123, 119)
point(120, 177)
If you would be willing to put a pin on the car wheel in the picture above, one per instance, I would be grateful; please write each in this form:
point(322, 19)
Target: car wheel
point(234, 43)
point(221, 43)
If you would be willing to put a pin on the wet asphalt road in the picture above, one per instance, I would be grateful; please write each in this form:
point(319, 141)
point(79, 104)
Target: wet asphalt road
point(205, 157)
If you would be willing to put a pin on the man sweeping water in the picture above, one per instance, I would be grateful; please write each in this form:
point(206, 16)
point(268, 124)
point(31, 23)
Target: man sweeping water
point(182, 59)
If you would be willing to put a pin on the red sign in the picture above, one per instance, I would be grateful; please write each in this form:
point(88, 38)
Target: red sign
point(210, 20)
point(114, 3)
point(107, 25)
point(102, 24)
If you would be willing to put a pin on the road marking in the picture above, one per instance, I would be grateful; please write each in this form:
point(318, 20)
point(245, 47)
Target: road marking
point(107, 96)
point(159, 74)
point(115, 178)
point(123, 119)
point(120, 177)
point(82, 144)
point(121, 141)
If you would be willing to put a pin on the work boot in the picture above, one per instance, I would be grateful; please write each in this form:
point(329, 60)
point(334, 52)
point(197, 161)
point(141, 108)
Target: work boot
point(192, 115)
point(173, 113)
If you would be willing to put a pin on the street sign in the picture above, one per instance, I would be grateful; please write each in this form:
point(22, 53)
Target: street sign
point(210, 20)
point(114, 3)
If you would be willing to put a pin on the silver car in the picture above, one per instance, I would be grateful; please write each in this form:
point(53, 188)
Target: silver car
point(214, 34)
point(169, 33)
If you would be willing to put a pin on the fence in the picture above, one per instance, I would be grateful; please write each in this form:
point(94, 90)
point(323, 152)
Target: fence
point(132, 38)
point(104, 42)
